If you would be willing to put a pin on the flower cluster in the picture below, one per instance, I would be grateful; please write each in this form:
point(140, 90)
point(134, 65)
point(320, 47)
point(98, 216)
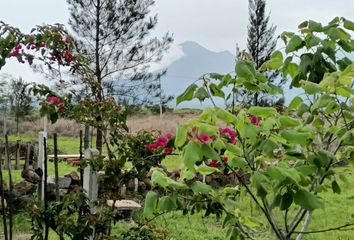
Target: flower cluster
point(56, 101)
point(229, 133)
point(254, 120)
point(160, 145)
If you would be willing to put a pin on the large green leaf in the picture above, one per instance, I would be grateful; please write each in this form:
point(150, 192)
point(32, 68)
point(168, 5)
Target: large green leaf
point(307, 200)
point(201, 94)
point(287, 121)
point(167, 203)
point(201, 188)
point(294, 104)
point(209, 152)
point(348, 24)
point(206, 170)
point(192, 154)
point(296, 137)
point(274, 62)
point(294, 44)
point(225, 115)
point(181, 135)
point(262, 111)
point(245, 69)
point(150, 205)
point(187, 94)
point(286, 201)
point(216, 91)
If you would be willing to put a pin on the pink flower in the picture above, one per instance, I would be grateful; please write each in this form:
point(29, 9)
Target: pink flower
point(14, 53)
point(231, 134)
point(214, 163)
point(18, 46)
point(167, 151)
point(203, 138)
point(53, 99)
point(61, 105)
point(151, 147)
point(254, 119)
point(161, 141)
point(225, 159)
point(169, 135)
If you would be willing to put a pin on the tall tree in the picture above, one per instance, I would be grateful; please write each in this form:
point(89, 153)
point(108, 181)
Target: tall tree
point(260, 40)
point(261, 43)
point(114, 35)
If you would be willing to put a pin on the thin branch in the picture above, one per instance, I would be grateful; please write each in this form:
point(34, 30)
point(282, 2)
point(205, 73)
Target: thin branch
point(339, 228)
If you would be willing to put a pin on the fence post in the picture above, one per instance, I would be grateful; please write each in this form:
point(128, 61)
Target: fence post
point(41, 165)
point(90, 181)
point(28, 156)
point(17, 166)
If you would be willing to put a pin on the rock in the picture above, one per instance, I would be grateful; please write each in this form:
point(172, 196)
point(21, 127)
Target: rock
point(124, 204)
point(73, 175)
point(30, 176)
point(24, 188)
point(63, 182)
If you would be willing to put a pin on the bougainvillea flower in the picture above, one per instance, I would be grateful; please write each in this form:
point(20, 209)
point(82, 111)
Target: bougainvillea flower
point(167, 151)
point(203, 138)
point(169, 135)
point(225, 159)
point(61, 105)
point(161, 141)
point(214, 163)
point(255, 120)
point(231, 134)
point(53, 99)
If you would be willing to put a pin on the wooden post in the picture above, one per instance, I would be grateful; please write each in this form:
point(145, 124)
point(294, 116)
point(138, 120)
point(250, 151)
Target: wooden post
point(45, 172)
point(9, 202)
point(41, 153)
point(28, 155)
point(3, 210)
point(17, 166)
point(56, 170)
point(81, 157)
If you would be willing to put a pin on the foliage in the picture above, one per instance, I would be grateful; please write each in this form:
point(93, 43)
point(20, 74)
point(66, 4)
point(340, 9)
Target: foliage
point(289, 157)
point(70, 217)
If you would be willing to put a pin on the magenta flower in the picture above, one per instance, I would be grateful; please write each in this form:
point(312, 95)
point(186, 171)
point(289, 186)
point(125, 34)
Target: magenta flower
point(203, 138)
point(214, 163)
point(254, 120)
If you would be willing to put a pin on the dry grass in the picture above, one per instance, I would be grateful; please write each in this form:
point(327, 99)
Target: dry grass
point(70, 128)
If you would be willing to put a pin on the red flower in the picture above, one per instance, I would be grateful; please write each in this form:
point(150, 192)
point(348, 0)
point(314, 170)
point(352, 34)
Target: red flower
point(18, 46)
point(203, 138)
point(255, 120)
point(151, 147)
point(14, 53)
point(167, 151)
point(169, 135)
point(225, 159)
point(53, 99)
point(231, 133)
point(214, 163)
point(61, 105)
point(161, 141)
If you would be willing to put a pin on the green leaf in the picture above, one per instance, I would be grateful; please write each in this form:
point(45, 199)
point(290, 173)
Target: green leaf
point(262, 111)
point(215, 91)
point(192, 154)
point(335, 187)
point(294, 44)
point(303, 108)
point(202, 188)
point(245, 69)
point(294, 104)
point(210, 153)
point(187, 95)
point(181, 135)
point(296, 137)
point(201, 94)
point(303, 24)
point(286, 201)
point(291, 69)
point(208, 129)
point(314, 26)
point(286, 121)
point(167, 204)
point(151, 200)
point(311, 88)
point(307, 200)
point(348, 24)
point(225, 115)
point(274, 62)
point(206, 170)
point(321, 102)
point(234, 149)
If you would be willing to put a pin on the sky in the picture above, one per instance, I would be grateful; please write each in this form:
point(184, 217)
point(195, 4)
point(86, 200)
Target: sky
point(215, 24)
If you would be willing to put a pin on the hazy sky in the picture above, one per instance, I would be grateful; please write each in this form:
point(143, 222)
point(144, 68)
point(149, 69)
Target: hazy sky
point(215, 24)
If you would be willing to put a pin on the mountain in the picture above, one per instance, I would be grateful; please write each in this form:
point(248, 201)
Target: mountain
point(195, 61)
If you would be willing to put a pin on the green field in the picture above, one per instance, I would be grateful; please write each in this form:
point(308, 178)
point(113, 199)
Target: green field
point(339, 210)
